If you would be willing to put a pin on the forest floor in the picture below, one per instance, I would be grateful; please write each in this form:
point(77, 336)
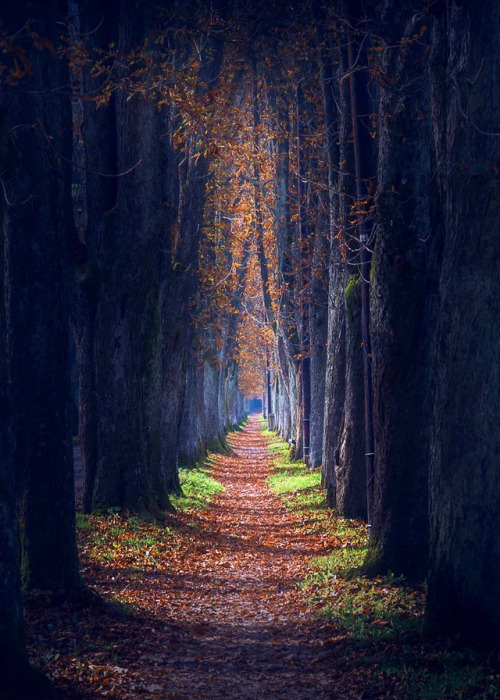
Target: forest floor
point(241, 594)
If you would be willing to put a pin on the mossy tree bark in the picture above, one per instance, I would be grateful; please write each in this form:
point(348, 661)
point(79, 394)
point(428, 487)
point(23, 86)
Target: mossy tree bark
point(350, 466)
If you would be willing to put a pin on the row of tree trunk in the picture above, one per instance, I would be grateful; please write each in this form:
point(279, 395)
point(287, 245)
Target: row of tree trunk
point(140, 384)
point(122, 282)
point(406, 364)
point(388, 306)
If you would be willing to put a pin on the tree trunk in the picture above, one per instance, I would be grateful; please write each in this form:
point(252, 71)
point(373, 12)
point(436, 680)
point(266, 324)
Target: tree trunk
point(319, 327)
point(121, 444)
point(285, 400)
point(464, 578)
point(191, 447)
point(13, 659)
point(350, 467)
point(144, 278)
point(288, 344)
point(180, 285)
point(363, 169)
point(338, 125)
point(403, 299)
point(38, 230)
point(100, 156)
point(334, 382)
point(303, 286)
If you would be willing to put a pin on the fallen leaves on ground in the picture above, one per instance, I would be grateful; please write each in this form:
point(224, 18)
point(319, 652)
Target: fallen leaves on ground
point(212, 604)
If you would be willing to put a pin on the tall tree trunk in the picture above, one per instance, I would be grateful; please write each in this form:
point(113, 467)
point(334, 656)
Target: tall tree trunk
point(143, 283)
point(350, 457)
point(99, 140)
point(298, 416)
point(288, 341)
point(360, 109)
point(318, 330)
point(334, 380)
point(337, 120)
point(13, 658)
point(38, 230)
point(12, 652)
point(403, 299)
point(285, 396)
point(304, 283)
point(191, 447)
point(464, 578)
point(180, 281)
point(123, 242)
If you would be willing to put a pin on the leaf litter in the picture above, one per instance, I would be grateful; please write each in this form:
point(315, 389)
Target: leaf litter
point(223, 601)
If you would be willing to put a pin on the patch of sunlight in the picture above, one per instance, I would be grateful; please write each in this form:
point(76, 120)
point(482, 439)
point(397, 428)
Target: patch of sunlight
point(198, 487)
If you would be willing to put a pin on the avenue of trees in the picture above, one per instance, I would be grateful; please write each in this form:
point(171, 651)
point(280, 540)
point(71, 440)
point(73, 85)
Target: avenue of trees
point(207, 201)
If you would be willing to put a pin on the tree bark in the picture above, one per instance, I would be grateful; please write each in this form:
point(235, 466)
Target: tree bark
point(99, 140)
point(334, 382)
point(303, 286)
point(284, 393)
point(403, 299)
point(120, 387)
point(13, 658)
point(318, 331)
point(363, 170)
point(350, 466)
point(142, 263)
point(180, 282)
point(337, 122)
point(38, 230)
point(464, 578)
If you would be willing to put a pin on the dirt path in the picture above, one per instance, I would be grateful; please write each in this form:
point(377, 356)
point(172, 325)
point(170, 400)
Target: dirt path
point(212, 611)
point(250, 634)
point(205, 604)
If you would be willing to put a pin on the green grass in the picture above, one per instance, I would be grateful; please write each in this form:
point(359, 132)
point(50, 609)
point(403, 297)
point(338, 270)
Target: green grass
point(198, 487)
point(83, 521)
point(379, 619)
point(136, 542)
point(124, 541)
point(377, 610)
point(456, 677)
point(299, 488)
point(365, 609)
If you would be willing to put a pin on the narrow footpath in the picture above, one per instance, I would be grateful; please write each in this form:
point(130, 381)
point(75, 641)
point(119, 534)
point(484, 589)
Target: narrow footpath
point(204, 605)
point(252, 635)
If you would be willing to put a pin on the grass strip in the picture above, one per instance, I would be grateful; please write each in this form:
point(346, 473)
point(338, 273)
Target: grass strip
point(198, 487)
point(379, 620)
